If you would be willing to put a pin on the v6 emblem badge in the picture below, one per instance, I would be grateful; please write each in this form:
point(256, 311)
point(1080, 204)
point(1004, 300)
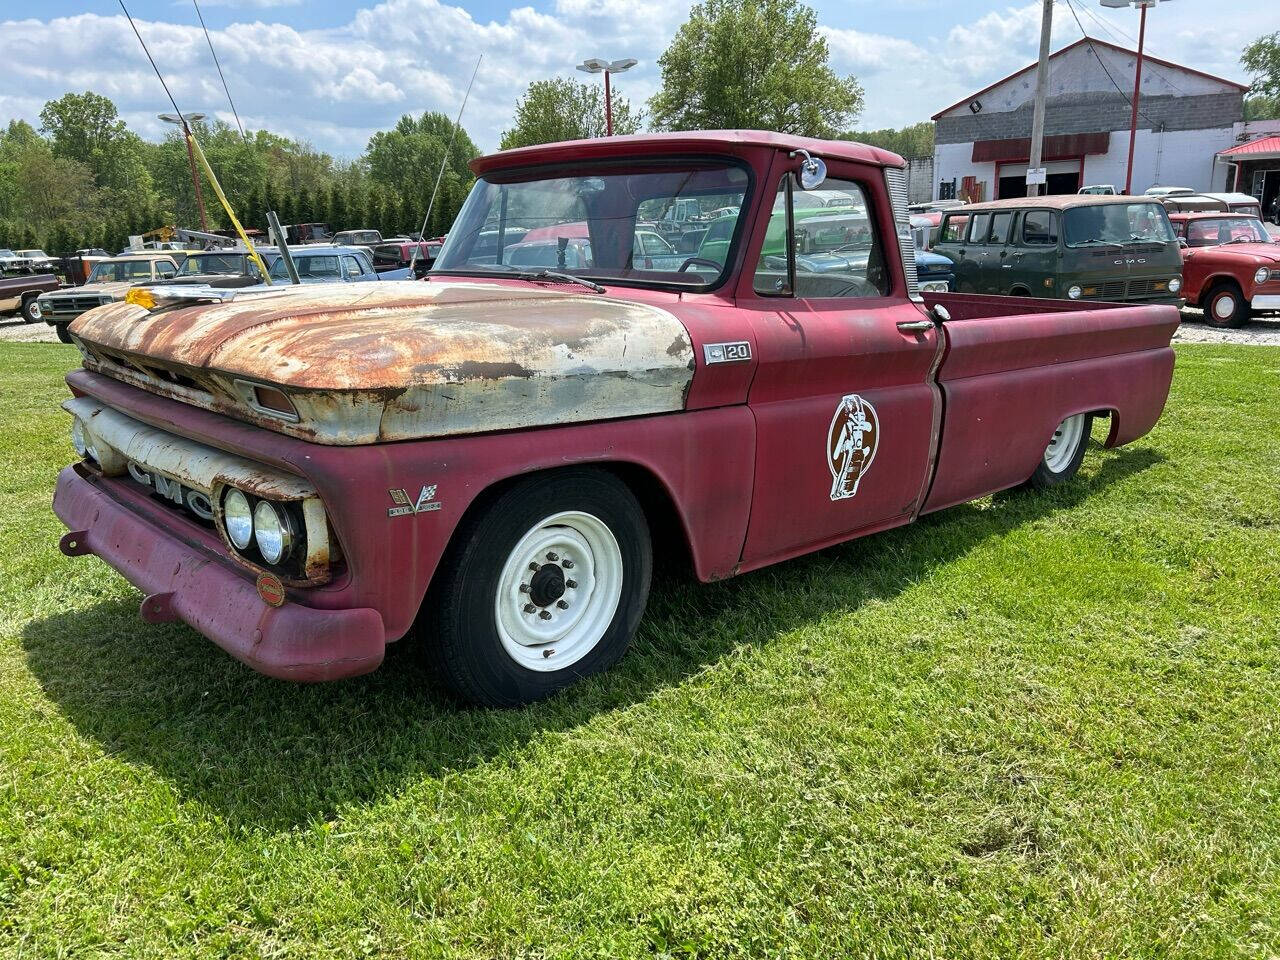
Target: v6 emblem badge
point(425, 503)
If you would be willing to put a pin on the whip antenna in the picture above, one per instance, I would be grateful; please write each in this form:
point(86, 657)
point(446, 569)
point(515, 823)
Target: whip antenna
point(234, 111)
point(426, 221)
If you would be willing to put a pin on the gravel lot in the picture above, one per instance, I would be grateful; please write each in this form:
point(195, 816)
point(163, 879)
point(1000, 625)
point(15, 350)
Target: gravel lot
point(1264, 332)
point(15, 331)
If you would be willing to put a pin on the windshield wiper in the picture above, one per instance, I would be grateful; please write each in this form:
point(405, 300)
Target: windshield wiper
point(1137, 239)
point(1109, 243)
point(1239, 240)
point(557, 276)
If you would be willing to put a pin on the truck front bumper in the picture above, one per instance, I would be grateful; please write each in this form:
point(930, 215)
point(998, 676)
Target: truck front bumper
point(182, 581)
point(1266, 301)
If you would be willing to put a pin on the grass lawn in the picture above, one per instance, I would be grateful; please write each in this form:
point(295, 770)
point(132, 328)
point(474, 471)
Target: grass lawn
point(1033, 726)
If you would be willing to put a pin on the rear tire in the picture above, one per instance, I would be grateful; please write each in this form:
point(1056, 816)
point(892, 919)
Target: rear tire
point(1225, 307)
point(63, 333)
point(25, 310)
point(1064, 454)
point(502, 634)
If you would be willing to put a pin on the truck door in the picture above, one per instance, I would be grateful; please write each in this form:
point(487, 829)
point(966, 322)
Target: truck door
point(845, 405)
point(999, 266)
point(973, 255)
point(1033, 254)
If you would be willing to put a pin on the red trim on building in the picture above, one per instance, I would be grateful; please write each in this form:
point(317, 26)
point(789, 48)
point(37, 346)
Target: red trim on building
point(1263, 145)
point(1066, 146)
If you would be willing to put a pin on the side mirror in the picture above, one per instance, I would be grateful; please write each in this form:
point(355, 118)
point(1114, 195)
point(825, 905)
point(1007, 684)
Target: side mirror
point(812, 172)
point(1182, 242)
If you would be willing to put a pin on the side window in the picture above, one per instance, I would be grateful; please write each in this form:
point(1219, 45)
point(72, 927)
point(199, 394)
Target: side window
point(999, 231)
point(352, 266)
point(979, 228)
point(365, 266)
point(165, 269)
point(953, 229)
point(1040, 228)
point(837, 251)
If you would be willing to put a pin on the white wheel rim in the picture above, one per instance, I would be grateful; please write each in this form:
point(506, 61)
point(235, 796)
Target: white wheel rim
point(1063, 445)
point(1224, 306)
point(541, 628)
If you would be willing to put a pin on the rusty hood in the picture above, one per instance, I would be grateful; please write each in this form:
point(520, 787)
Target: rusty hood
point(401, 360)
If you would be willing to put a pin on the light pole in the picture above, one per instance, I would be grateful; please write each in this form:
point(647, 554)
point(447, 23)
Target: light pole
point(596, 65)
point(1137, 79)
point(1037, 115)
point(183, 120)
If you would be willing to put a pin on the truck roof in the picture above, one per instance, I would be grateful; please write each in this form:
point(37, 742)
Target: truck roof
point(1057, 201)
point(696, 141)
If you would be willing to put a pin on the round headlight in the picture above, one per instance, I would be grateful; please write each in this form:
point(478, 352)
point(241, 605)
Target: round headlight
point(1074, 292)
point(77, 437)
point(271, 532)
point(1261, 275)
point(1175, 284)
point(237, 517)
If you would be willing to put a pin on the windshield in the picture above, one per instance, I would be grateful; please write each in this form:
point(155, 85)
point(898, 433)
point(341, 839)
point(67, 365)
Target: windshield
point(34, 254)
point(222, 264)
point(324, 267)
point(1211, 232)
point(601, 223)
point(123, 270)
point(1117, 223)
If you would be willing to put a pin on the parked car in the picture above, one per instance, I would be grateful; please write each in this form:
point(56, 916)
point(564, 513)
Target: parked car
point(37, 260)
point(330, 265)
point(108, 282)
point(934, 272)
point(224, 269)
point(393, 256)
point(487, 455)
point(10, 262)
point(304, 233)
point(360, 238)
point(1239, 203)
point(1076, 247)
point(1230, 266)
point(19, 293)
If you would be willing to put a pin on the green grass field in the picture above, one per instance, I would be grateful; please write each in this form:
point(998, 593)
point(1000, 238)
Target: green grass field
point(1033, 726)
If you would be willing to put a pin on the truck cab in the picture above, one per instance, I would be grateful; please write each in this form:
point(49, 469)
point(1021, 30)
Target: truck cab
point(480, 464)
point(1230, 265)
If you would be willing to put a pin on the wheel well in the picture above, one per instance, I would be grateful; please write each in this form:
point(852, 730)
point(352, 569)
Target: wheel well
point(1221, 281)
point(1019, 292)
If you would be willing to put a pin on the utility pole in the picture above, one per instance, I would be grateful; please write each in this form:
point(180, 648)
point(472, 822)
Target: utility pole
point(1042, 88)
point(182, 121)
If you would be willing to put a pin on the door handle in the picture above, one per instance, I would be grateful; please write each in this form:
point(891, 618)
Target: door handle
point(915, 326)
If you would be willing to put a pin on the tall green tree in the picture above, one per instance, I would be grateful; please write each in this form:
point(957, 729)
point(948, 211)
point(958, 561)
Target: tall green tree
point(913, 141)
point(565, 109)
point(753, 64)
point(409, 154)
point(1262, 59)
point(86, 128)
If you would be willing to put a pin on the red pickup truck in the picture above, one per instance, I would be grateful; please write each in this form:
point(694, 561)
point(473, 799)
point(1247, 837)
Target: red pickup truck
point(481, 460)
point(1230, 265)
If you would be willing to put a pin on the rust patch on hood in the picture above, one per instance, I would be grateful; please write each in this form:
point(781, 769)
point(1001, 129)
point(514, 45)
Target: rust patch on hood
point(422, 359)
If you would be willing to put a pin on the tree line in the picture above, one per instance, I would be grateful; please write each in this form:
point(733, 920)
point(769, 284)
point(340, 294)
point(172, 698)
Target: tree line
point(83, 179)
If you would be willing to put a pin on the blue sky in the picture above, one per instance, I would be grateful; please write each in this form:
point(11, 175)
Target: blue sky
point(332, 73)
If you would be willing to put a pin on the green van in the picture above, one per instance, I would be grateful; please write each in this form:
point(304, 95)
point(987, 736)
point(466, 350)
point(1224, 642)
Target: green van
point(1072, 247)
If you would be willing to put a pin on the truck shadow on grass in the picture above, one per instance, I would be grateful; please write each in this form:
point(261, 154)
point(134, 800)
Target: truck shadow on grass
point(271, 755)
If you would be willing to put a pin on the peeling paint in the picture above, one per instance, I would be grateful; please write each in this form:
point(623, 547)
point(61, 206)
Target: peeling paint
point(404, 360)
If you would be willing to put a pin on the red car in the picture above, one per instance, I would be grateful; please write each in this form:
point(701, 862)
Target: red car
point(482, 462)
point(1230, 265)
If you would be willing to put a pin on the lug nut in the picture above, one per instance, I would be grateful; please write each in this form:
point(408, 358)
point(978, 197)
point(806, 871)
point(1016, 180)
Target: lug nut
point(568, 564)
point(524, 588)
point(553, 557)
point(562, 604)
point(545, 614)
point(534, 567)
point(529, 608)
point(571, 584)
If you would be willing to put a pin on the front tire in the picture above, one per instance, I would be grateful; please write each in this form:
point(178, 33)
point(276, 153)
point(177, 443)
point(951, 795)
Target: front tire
point(1226, 307)
point(543, 586)
point(1063, 455)
point(63, 333)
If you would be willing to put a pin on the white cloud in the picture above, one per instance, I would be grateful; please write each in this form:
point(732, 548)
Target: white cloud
point(334, 86)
